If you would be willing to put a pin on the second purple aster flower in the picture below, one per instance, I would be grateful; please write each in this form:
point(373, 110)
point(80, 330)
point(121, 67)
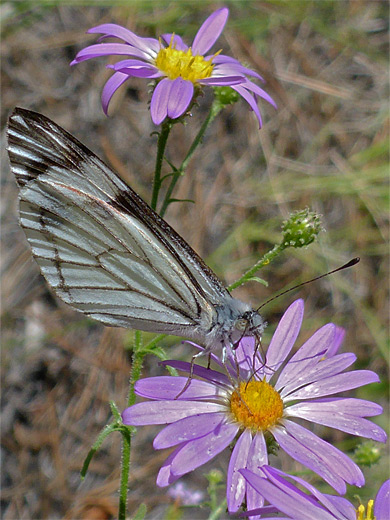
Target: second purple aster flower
point(180, 71)
point(258, 401)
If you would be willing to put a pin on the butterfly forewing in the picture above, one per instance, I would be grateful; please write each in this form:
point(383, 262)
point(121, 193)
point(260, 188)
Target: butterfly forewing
point(98, 244)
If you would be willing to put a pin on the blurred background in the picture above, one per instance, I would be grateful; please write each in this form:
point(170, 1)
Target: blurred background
point(326, 65)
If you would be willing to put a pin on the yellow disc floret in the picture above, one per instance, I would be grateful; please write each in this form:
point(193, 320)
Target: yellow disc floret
point(256, 405)
point(175, 63)
point(363, 514)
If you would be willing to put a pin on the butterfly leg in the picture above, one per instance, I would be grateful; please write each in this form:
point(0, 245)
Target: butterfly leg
point(259, 356)
point(233, 347)
point(189, 379)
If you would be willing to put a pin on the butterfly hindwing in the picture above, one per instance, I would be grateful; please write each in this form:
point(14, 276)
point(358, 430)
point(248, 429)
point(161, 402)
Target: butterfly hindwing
point(98, 244)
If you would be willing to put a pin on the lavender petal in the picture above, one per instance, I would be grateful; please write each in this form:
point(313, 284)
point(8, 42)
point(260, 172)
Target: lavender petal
point(306, 357)
point(347, 405)
point(252, 103)
point(256, 459)
point(318, 455)
point(249, 85)
point(213, 376)
point(320, 369)
point(382, 502)
point(284, 336)
point(337, 342)
point(339, 462)
point(111, 86)
point(278, 477)
point(235, 485)
point(138, 72)
point(343, 507)
point(107, 49)
point(210, 31)
point(295, 506)
point(195, 453)
point(156, 412)
point(222, 80)
point(340, 421)
point(165, 475)
point(335, 384)
point(188, 429)
point(308, 458)
point(258, 455)
point(168, 388)
point(133, 64)
point(224, 68)
point(159, 101)
point(180, 97)
point(149, 45)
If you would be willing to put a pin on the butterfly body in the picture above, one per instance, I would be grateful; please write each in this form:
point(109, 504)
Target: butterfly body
point(106, 252)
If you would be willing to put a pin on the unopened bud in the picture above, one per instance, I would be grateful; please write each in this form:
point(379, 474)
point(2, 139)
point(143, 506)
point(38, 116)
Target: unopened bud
point(301, 228)
point(214, 476)
point(226, 95)
point(367, 454)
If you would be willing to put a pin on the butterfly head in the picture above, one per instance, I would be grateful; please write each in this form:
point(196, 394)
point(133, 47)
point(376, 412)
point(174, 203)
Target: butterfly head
point(249, 322)
point(234, 320)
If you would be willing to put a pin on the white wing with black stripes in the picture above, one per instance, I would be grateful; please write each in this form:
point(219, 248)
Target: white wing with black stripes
point(98, 244)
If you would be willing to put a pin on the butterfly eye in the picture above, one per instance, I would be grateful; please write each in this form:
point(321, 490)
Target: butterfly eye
point(241, 324)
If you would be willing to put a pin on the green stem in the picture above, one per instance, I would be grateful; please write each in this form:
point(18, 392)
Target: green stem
point(136, 366)
point(265, 260)
point(125, 469)
point(218, 511)
point(216, 107)
point(161, 145)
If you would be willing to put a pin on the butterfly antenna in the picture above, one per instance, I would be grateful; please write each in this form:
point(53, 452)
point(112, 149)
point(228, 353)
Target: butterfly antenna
point(351, 263)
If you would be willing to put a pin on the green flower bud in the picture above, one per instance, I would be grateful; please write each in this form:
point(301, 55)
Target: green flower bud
point(272, 446)
point(214, 476)
point(226, 95)
point(301, 228)
point(367, 454)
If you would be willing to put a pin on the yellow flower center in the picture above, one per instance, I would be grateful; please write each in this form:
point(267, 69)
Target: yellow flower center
point(175, 63)
point(256, 405)
point(361, 513)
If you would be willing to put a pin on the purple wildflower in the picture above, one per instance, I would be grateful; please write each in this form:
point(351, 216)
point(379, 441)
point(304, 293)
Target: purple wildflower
point(287, 499)
point(179, 70)
point(185, 495)
point(208, 415)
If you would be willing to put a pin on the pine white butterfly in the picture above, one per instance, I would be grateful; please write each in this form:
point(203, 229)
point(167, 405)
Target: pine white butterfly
point(105, 252)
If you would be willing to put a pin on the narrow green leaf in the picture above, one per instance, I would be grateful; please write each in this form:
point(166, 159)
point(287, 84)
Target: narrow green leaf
point(141, 512)
point(180, 200)
point(109, 428)
point(257, 279)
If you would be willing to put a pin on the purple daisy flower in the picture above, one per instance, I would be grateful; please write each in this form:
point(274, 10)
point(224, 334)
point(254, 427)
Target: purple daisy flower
point(179, 70)
point(259, 399)
point(287, 499)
